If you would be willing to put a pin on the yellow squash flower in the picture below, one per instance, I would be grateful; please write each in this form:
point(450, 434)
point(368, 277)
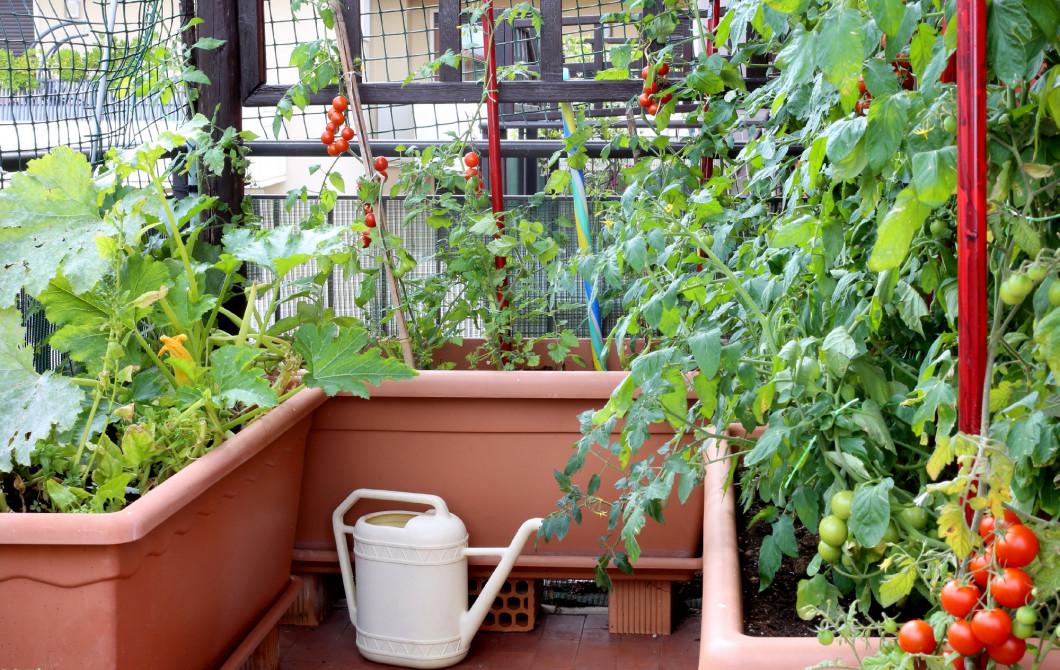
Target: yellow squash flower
point(174, 347)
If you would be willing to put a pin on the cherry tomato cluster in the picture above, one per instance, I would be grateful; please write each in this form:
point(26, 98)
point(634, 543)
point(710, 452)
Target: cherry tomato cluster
point(1009, 546)
point(471, 160)
point(369, 220)
point(654, 79)
point(336, 121)
point(861, 107)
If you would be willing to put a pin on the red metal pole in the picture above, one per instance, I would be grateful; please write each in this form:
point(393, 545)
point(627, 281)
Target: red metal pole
point(706, 164)
point(971, 213)
point(493, 125)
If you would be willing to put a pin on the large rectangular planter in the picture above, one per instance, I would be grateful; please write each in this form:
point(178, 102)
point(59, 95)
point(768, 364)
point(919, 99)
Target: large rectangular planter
point(488, 443)
point(177, 579)
point(723, 643)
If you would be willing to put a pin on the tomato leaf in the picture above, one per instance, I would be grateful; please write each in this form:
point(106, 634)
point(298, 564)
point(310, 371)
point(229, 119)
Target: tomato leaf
point(769, 560)
point(840, 47)
point(871, 512)
point(896, 232)
point(935, 176)
point(1008, 30)
point(886, 128)
point(888, 15)
point(896, 586)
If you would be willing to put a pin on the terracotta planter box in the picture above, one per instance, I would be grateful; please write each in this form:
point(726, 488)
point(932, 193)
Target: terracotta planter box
point(487, 442)
point(722, 641)
point(176, 580)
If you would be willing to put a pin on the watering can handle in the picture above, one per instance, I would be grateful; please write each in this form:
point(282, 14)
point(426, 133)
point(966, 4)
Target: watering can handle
point(338, 523)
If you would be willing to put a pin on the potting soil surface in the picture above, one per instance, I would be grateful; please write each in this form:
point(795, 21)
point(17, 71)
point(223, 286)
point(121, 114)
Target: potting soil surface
point(558, 642)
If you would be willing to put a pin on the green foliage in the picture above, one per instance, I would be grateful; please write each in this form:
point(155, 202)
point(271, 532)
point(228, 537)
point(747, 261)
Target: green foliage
point(150, 382)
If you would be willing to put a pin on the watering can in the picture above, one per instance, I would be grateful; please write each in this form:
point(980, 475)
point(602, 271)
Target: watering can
point(409, 603)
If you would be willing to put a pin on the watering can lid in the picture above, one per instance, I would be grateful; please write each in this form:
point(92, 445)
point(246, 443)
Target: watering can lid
point(421, 529)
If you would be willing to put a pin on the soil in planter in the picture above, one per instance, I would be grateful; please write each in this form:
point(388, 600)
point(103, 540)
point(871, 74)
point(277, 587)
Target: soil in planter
point(771, 613)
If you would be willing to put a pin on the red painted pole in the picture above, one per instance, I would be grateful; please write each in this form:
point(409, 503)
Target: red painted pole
point(493, 126)
point(706, 164)
point(971, 213)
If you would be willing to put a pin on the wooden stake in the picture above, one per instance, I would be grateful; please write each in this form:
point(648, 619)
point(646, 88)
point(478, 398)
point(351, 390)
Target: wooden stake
point(357, 117)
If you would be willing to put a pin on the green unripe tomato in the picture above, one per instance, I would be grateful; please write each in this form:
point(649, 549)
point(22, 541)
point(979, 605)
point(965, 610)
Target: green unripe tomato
point(832, 530)
point(890, 536)
point(1022, 630)
point(1027, 615)
point(1021, 286)
point(890, 626)
point(708, 240)
point(1036, 272)
point(915, 517)
point(829, 552)
point(842, 501)
point(1007, 295)
point(825, 636)
point(939, 228)
point(949, 124)
point(1054, 294)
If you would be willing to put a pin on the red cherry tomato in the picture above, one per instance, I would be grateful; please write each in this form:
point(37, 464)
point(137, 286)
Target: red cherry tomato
point(646, 72)
point(916, 637)
point(369, 220)
point(333, 150)
point(384, 175)
point(1012, 588)
point(963, 639)
point(381, 164)
point(336, 117)
point(367, 207)
point(992, 626)
point(988, 525)
point(959, 600)
point(644, 100)
point(347, 133)
point(979, 567)
point(861, 85)
point(340, 103)
point(327, 137)
point(958, 663)
point(651, 88)
point(664, 69)
point(332, 127)
point(653, 109)
point(1010, 652)
point(471, 159)
point(343, 145)
point(1017, 547)
point(365, 241)
point(666, 98)
point(470, 172)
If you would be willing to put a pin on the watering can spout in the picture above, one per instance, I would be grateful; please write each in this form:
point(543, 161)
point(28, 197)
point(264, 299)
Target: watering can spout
point(472, 619)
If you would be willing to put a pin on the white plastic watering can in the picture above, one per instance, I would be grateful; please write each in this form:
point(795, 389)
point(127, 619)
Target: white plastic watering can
point(410, 600)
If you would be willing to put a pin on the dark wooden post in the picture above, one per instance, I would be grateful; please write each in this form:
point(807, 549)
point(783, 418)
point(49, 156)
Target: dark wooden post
point(221, 100)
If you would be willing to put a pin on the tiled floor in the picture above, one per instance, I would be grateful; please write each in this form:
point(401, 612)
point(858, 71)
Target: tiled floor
point(559, 642)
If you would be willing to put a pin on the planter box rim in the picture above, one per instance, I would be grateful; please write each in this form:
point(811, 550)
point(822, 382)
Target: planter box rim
point(138, 519)
point(502, 384)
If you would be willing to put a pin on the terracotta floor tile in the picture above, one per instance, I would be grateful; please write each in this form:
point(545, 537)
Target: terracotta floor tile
point(637, 652)
point(314, 644)
point(563, 627)
point(555, 654)
point(511, 660)
point(595, 628)
point(596, 655)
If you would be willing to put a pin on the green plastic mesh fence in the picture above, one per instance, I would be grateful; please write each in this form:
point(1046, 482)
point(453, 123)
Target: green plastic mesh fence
point(84, 73)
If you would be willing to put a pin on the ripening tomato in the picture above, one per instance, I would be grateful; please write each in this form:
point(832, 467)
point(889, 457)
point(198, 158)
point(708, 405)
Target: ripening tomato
point(644, 100)
point(979, 567)
point(342, 145)
point(333, 150)
point(651, 88)
point(1012, 588)
point(471, 159)
point(653, 109)
point(369, 220)
point(336, 117)
point(332, 127)
point(664, 69)
point(861, 85)
point(366, 241)
point(470, 172)
point(666, 98)
point(959, 600)
point(916, 637)
point(957, 663)
point(1009, 652)
point(340, 103)
point(987, 525)
point(963, 639)
point(1017, 547)
point(327, 137)
point(992, 626)
point(381, 164)
point(646, 72)
point(347, 133)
